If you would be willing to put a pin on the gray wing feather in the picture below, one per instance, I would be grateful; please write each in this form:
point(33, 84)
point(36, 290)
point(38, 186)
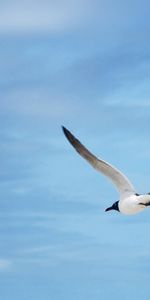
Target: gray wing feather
point(121, 182)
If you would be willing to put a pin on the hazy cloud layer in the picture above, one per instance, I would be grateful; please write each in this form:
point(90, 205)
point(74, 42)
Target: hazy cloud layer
point(61, 16)
point(43, 16)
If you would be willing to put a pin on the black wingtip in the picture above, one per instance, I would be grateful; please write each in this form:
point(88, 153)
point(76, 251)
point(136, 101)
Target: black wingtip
point(64, 129)
point(68, 135)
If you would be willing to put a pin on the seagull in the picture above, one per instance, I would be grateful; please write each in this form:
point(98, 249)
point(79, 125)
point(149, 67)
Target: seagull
point(130, 201)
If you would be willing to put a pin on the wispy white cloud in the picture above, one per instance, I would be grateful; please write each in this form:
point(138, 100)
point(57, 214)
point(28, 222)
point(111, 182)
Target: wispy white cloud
point(39, 249)
point(48, 16)
point(59, 16)
point(132, 95)
point(37, 102)
point(5, 264)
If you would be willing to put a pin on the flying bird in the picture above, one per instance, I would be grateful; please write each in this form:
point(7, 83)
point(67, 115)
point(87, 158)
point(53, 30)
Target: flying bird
point(130, 201)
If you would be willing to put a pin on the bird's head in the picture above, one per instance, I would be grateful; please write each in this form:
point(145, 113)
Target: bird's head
point(115, 206)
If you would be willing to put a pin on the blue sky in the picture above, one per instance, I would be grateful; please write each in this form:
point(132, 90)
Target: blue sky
point(86, 65)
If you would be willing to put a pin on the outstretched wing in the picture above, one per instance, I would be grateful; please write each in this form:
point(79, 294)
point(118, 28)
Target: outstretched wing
point(120, 180)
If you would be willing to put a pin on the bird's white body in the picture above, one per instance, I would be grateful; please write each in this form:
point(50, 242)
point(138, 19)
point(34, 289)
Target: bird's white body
point(130, 202)
point(133, 204)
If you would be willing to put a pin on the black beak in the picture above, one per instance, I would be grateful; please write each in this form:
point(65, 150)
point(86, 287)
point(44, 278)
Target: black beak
point(109, 208)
